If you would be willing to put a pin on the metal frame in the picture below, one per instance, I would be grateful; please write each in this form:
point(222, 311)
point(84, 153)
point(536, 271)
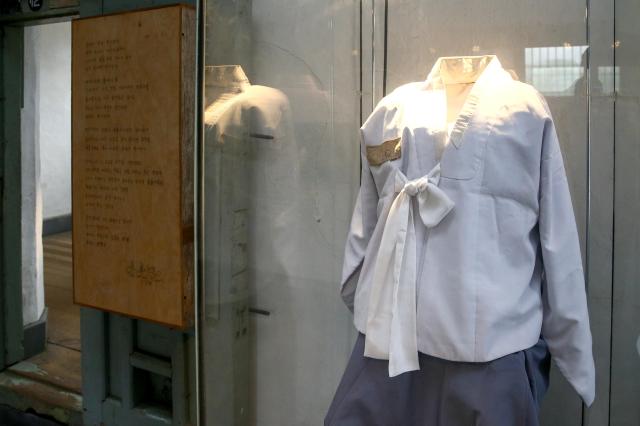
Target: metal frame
point(10, 285)
point(11, 30)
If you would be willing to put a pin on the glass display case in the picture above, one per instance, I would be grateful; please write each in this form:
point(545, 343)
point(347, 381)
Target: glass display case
point(287, 86)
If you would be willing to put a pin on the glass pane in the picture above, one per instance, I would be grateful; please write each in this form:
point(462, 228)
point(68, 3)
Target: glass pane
point(625, 351)
point(283, 85)
point(541, 43)
point(281, 174)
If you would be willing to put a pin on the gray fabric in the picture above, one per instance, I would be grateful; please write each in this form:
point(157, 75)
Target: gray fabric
point(503, 392)
point(538, 364)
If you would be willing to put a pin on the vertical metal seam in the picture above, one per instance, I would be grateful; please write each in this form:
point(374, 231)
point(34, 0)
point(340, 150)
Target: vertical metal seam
point(588, 195)
point(373, 54)
point(613, 213)
point(3, 281)
point(198, 210)
point(360, 60)
point(384, 47)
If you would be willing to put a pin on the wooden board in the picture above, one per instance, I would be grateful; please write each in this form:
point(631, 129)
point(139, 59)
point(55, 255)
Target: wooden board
point(132, 163)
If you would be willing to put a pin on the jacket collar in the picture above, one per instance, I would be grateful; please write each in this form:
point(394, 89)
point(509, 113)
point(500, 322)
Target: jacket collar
point(460, 69)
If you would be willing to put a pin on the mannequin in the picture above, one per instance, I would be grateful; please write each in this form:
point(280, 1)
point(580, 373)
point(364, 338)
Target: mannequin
point(455, 236)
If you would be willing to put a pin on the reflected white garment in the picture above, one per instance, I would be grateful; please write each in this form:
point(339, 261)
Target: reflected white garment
point(501, 264)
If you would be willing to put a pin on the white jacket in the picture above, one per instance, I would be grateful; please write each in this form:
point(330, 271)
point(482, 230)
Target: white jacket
point(467, 251)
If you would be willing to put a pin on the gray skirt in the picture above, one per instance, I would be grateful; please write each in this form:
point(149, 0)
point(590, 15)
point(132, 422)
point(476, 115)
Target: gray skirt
point(504, 392)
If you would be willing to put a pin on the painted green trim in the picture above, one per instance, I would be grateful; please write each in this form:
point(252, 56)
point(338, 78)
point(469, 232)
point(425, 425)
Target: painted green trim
point(11, 285)
point(149, 363)
point(90, 8)
point(114, 6)
point(2, 126)
point(94, 363)
point(57, 224)
point(51, 11)
point(40, 17)
point(35, 335)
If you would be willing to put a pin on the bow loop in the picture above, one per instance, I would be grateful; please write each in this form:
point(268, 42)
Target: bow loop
point(433, 205)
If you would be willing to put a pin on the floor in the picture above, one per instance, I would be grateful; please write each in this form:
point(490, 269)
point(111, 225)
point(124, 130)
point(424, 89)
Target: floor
point(50, 382)
point(9, 416)
point(64, 316)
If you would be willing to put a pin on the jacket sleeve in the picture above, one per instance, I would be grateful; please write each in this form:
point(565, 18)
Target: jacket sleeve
point(363, 222)
point(565, 324)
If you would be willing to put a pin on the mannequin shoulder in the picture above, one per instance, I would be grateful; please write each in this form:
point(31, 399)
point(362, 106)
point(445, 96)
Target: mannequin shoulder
point(394, 102)
point(518, 95)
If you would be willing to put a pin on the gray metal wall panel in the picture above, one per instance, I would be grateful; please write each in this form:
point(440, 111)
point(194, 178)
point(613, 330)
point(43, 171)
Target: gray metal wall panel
point(3, 282)
point(118, 387)
point(94, 364)
point(11, 288)
point(600, 224)
point(625, 356)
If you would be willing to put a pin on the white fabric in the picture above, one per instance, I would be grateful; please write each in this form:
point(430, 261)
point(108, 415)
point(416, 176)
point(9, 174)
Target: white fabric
point(391, 323)
point(499, 269)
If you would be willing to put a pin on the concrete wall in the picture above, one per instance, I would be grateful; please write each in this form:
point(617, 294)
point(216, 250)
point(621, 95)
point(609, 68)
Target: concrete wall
point(31, 226)
point(53, 59)
point(46, 149)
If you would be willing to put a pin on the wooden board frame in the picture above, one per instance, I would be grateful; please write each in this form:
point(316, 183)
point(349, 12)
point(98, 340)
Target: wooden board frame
point(133, 93)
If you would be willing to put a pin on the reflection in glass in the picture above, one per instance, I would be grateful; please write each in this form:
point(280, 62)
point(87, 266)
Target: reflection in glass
point(248, 213)
point(562, 71)
point(609, 79)
point(281, 171)
point(557, 70)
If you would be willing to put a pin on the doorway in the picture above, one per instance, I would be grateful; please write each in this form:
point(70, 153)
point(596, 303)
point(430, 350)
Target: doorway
point(48, 381)
point(124, 363)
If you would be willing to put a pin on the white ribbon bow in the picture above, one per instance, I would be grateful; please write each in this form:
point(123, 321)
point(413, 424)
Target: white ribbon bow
point(391, 317)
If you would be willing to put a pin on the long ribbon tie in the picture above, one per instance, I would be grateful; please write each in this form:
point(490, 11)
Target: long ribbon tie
point(391, 316)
